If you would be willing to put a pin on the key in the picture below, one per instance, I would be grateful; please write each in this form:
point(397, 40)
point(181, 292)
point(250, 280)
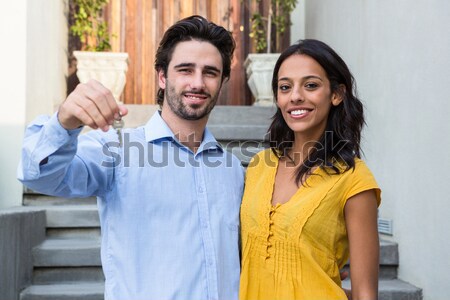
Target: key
point(118, 124)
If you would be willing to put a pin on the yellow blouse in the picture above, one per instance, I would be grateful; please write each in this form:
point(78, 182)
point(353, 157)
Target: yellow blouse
point(295, 250)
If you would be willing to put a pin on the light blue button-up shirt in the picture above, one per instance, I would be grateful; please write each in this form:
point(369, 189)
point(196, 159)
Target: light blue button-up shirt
point(169, 217)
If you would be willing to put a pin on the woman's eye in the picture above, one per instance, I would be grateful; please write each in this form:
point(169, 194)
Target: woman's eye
point(283, 87)
point(311, 85)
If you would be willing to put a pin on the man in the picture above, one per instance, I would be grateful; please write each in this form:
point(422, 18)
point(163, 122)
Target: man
point(168, 195)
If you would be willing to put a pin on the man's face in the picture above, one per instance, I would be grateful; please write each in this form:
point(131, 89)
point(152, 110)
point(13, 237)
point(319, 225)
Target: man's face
point(193, 81)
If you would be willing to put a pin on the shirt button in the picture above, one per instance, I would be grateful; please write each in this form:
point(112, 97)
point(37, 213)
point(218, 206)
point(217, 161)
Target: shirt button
point(200, 189)
point(210, 262)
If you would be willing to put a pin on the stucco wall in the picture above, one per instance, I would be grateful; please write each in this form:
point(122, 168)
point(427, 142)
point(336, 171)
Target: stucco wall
point(399, 52)
point(12, 97)
point(32, 78)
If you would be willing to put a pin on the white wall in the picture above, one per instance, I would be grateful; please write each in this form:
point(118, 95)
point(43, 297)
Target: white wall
point(298, 22)
point(12, 97)
point(399, 52)
point(46, 56)
point(32, 78)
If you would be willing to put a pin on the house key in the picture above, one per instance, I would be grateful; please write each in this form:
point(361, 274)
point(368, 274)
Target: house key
point(118, 125)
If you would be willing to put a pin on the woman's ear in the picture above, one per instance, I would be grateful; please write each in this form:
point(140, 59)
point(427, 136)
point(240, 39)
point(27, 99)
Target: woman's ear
point(338, 96)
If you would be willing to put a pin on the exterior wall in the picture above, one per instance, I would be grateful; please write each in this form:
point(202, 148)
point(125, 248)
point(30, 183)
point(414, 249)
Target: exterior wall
point(20, 230)
point(47, 35)
point(13, 97)
point(399, 53)
point(298, 22)
point(32, 81)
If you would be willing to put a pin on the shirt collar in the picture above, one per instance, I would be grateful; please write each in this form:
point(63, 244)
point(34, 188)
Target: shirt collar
point(156, 129)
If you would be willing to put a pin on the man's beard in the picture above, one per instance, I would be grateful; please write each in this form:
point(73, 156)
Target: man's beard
point(188, 112)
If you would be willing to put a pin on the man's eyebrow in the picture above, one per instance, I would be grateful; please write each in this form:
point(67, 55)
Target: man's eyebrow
point(212, 68)
point(191, 65)
point(182, 65)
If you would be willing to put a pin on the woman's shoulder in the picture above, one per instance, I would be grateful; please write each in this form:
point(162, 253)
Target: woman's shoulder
point(358, 168)
point(361, 169)
point(360, 178)
point(263, 159)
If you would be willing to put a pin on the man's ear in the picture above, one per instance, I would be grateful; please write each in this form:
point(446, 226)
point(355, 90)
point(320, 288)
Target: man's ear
point(161, 79)
point(338, 96)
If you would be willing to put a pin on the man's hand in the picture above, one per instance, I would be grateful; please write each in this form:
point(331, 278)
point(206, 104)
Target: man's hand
point(90, 104)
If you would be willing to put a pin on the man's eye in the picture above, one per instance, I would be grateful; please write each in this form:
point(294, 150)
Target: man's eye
point(211, 73)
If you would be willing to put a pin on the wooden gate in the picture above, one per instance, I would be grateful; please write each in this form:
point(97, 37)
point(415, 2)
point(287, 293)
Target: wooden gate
point(138, 25)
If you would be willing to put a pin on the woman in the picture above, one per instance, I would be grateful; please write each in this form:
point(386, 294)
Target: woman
point(310, 202)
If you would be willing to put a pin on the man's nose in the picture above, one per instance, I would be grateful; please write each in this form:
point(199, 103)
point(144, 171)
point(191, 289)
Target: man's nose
point(197, 82)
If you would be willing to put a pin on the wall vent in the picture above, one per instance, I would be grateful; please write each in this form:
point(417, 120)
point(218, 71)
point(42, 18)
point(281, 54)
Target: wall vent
point(385, 226)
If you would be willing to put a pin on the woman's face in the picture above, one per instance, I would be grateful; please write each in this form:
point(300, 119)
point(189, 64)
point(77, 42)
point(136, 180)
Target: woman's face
point(304, 96)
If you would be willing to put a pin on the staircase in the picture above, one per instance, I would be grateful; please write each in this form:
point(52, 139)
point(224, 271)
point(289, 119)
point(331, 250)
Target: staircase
point(67, 264)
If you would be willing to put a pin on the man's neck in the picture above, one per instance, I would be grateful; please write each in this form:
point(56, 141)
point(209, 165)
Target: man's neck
point(188, 132)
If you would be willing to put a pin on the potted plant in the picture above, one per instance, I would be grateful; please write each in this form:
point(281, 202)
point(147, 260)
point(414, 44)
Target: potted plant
point(267, 31)
point(93, 61)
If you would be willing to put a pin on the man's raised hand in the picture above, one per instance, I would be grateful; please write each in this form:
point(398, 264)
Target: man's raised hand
point(90, 104)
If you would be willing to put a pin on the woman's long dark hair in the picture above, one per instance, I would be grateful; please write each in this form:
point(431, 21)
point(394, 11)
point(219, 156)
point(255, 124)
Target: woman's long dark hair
point(340, 143)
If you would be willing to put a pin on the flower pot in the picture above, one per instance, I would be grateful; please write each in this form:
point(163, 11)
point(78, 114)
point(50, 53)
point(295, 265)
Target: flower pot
point(259, 69)
point(109, 68)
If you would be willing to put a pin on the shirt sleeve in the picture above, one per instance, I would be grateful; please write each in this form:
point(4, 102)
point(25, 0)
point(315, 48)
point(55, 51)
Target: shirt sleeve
point(61, 162)
point(359, 180)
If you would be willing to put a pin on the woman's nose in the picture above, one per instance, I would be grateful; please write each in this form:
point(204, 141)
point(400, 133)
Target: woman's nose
point(296, 95)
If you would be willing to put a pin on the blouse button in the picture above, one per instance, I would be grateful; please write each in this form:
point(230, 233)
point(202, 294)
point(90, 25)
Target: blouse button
point(270, 233)
point(271, 222)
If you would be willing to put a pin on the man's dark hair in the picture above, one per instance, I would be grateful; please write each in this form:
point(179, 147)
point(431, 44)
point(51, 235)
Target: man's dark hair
point(194, 28)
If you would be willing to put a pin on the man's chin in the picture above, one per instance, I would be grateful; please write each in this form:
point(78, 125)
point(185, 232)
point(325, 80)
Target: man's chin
point(192, 114)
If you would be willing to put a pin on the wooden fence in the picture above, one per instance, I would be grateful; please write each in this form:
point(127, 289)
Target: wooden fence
point(138, 25)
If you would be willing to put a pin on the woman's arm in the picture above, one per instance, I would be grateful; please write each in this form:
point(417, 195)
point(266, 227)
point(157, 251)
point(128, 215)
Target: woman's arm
point(362, 229)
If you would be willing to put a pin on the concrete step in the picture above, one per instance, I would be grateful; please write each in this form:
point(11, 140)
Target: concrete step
point(52, 275)
point(55, 252)
point(72, 216)
point(67, 253)
point(394, 289)
point(36, 199)
point(74, 233)
point(388, 253)
point(69, 291)
point(388, 290)
point(388, 260)
point(225, 122)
